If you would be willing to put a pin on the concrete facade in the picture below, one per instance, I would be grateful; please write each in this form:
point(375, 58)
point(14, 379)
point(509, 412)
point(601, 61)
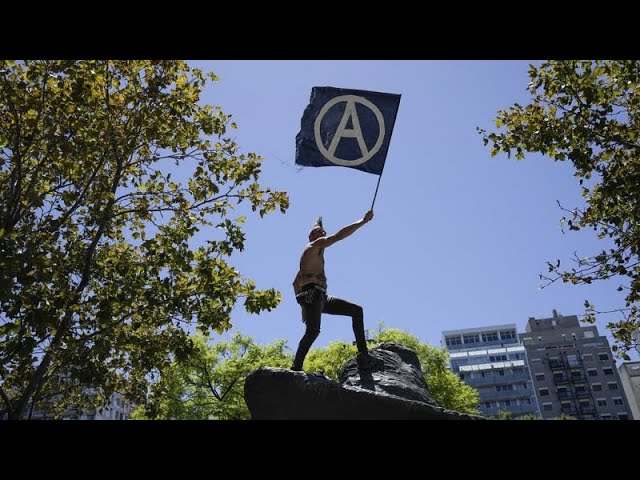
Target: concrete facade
point(573, 370)
point(118, 409)
point(630, 378)
point(491, 360)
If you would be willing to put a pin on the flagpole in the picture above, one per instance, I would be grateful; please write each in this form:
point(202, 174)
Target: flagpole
point(375, 194)
point(382, 171)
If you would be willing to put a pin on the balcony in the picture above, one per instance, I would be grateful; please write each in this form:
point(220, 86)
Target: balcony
point(569, 410)
point(505, 395)
point(561, 380)
point(583, 393)
point(492, 379)
point(515, 409)
point(556, 364)
point(565, 394)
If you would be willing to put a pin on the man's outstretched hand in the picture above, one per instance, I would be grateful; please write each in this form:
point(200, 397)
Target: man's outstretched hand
point(368, 216)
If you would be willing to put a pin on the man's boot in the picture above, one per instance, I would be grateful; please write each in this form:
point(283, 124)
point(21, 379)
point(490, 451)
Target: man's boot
point(364, 361)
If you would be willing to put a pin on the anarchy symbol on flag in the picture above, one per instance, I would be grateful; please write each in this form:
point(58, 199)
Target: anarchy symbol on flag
point(342, 131)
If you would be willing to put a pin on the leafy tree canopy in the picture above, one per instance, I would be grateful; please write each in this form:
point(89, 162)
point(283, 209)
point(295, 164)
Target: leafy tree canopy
point(588, 113)
point(210, 384)
point(107, 171)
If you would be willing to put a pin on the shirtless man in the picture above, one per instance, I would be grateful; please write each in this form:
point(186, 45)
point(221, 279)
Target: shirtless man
point(310, 287)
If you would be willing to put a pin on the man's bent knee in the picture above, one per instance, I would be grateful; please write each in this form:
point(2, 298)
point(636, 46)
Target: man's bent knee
point(312, 333)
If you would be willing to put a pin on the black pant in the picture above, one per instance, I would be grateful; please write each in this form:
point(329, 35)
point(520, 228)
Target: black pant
point(311, 313)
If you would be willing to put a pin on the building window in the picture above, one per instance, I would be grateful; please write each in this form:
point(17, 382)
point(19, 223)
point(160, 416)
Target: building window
point(605, 416)
point(602, 402)
point(613, 386)
point(544, 392)
point(603, 356)
point(528, 401)
point(507, 334)
point(588, 334)
point(462, 376)
point(498, 358)
point(608, 371)
point(475, 338)
point(501, 373)
point(539, 377)
point(587, 357)
point(507, 403)
point(573, 335)
point(547, 406)
point(527, 340)
point(592, 372)
point(623, 416)
point(490, 337)
point(487, 404)
point(453, 341)
point(596, 387)
point(618, 401)
point(539, 339)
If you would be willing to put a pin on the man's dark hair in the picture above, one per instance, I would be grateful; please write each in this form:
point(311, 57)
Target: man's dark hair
point(316, 225)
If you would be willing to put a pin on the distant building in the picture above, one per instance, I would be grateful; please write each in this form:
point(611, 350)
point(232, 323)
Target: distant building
point(630, 380)
point(491, 360)
point(573, 370)
point(118, 409)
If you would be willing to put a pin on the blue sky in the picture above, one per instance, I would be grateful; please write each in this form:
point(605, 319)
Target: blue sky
point(458, 238)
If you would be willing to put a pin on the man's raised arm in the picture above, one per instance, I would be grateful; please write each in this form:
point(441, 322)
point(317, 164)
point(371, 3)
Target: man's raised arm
point(324, 242)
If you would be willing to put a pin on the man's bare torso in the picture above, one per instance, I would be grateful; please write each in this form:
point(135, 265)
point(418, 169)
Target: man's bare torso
point(312, 267)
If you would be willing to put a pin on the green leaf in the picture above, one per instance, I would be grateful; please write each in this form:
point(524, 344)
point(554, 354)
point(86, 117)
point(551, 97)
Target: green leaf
point(103, 251)
point(592, 122)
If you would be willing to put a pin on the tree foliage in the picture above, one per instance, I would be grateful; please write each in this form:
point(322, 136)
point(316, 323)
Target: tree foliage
point(209, 385)
point(329, 360)
point(588, 113)
point(445, 387)
point(100, 280)
point(505, 415)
